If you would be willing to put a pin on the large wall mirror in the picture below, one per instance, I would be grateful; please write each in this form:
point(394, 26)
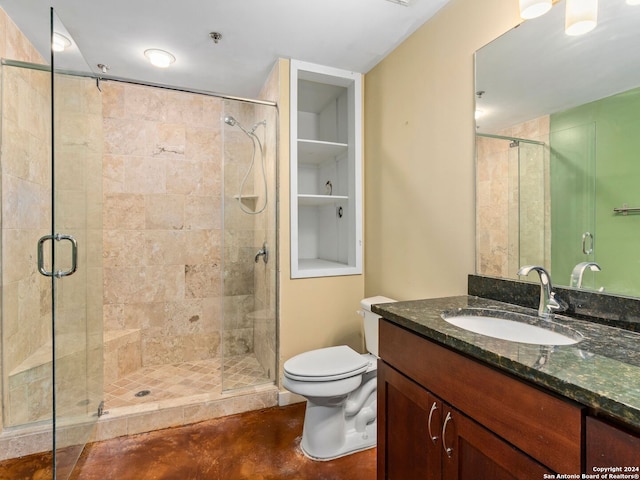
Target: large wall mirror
point(558, 151)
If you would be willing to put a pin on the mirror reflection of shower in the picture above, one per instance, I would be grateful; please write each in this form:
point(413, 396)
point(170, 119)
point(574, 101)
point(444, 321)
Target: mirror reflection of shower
point(257, 146)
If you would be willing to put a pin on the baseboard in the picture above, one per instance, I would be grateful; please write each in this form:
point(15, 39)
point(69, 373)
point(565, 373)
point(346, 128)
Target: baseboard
point(287, 398)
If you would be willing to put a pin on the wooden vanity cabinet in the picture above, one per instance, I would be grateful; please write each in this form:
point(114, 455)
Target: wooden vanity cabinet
point(610, 446)
point(494, 425)
point(426, 438)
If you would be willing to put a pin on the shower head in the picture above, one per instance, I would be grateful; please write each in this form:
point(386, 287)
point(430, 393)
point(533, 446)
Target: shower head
point(229, 120)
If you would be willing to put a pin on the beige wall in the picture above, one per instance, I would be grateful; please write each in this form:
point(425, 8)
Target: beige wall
point(314, 312)
point(419, 154)
point(419, 179)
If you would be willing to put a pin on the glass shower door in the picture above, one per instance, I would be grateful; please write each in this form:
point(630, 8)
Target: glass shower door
point(249, 279)
point(573, 187)
point(74, 251)
point(533, 204)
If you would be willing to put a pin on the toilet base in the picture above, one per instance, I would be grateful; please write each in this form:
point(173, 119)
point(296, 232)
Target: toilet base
point(341, 425)
point(353, 442)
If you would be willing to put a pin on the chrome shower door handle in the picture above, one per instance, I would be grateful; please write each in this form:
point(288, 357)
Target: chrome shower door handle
point(41, 267)
point(585, 236)
point(74, 255)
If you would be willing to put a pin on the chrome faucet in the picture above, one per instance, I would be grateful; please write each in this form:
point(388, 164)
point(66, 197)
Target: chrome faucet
point(548, 301)
point(263, 252)
point(578, 272)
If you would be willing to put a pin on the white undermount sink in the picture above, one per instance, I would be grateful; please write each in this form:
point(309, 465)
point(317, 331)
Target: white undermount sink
point(515, 327)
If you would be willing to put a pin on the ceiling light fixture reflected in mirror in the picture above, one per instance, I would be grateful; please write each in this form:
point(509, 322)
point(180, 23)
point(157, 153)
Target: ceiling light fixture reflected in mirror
point(59, 42)
point(581, 16)
point(534, 8)
point(159, 58)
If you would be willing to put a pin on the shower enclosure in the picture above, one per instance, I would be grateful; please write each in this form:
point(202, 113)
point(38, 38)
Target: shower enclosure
point(512, 204)
point(166, 215)
point(188, 310)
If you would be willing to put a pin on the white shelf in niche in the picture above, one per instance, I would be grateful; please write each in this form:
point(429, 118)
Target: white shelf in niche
point(325, 133)
point(318, 200)
point(314, 152)
point(320, 264)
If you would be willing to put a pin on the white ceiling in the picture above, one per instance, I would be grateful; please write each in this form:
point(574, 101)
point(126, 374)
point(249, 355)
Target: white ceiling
point(349, 34)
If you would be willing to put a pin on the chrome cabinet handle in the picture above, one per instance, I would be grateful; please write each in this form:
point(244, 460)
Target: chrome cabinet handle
point(74, 256)
point(434, 438)
point(447, 450)
point(585, 250)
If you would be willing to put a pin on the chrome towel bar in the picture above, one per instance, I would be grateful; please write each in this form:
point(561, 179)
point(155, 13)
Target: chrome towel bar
point(624, 210)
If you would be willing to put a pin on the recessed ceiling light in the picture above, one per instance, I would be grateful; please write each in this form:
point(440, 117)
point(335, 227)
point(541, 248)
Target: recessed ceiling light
point(59, 42)
point(159, 58)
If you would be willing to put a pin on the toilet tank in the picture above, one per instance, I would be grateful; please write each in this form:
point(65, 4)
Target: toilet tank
point(371, 321)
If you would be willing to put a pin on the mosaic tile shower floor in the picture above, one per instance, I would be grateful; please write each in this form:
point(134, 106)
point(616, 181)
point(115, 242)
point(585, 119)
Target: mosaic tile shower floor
point(164, 382)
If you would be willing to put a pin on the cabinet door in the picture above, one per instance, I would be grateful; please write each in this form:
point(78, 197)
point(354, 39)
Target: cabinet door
point(406, 414)
point(608, 446)
point(471, 452)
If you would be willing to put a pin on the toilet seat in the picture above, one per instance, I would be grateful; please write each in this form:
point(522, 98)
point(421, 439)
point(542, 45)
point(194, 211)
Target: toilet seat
point(326, 364)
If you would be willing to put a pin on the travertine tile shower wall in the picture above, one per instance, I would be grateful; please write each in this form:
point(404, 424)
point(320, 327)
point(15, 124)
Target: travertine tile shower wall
point(25, 139)
point(26, 216)
point(162, 227)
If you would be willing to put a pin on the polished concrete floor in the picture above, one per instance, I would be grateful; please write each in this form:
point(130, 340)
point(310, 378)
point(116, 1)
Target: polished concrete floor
point(260, 445)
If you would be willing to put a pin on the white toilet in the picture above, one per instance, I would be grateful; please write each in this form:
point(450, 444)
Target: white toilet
point(340, 387)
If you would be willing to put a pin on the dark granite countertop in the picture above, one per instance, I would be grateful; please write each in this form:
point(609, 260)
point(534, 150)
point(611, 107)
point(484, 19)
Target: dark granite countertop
point(602, 371)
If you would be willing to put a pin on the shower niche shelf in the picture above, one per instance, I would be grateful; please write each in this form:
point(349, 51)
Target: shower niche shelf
point(326, 171)
point(248, 201)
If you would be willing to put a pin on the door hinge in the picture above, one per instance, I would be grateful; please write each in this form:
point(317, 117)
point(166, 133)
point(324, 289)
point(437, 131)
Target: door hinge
point(101, 410)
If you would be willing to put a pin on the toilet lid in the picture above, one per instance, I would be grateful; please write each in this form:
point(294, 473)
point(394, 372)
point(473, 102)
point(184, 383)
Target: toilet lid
point(325, 364)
